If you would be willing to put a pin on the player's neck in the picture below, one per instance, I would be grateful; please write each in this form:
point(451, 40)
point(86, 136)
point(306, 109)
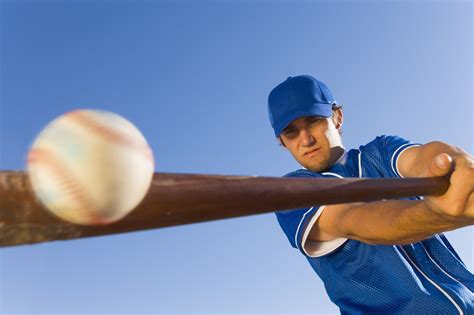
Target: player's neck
point(338, 154)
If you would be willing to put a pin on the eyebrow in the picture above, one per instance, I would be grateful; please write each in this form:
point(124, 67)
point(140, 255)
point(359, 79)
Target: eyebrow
point(290, 127)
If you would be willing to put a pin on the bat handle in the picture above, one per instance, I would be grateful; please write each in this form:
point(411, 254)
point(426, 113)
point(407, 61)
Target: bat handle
point(435, 186)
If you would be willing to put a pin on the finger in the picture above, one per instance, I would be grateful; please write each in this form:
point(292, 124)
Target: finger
point(441, 165)
point(464, 164)
point(459, 193)
point(469, 211)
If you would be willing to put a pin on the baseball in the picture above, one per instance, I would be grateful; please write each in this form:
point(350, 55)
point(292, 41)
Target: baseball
point(90, 167)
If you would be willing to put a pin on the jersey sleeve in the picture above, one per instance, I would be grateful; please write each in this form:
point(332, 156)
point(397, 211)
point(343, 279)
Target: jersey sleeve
point(390, 148)
point(298, 223)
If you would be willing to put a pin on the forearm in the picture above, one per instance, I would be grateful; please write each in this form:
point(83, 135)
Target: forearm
point(393, 222)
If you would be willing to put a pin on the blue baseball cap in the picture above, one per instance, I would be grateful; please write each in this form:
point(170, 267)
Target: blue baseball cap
point(296, 97)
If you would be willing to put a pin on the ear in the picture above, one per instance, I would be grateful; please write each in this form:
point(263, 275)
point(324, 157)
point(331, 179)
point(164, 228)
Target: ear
point(338, 118)
point(280, 142)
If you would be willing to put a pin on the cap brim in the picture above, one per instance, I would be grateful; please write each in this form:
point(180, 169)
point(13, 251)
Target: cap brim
point(323, 110)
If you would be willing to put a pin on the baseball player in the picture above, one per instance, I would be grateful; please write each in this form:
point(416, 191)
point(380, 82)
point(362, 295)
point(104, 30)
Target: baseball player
point(385, 257)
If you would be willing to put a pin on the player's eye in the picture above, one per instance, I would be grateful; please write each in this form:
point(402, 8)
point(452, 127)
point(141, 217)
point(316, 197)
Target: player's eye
point(290, 133)
point(315, 120)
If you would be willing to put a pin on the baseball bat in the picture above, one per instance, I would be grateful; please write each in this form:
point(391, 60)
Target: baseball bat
point(176, 199)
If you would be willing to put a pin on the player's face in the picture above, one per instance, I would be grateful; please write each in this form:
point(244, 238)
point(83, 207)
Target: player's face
point(314, 141)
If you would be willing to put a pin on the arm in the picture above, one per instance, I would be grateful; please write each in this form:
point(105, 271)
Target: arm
point(383, 222)
point(407, 221)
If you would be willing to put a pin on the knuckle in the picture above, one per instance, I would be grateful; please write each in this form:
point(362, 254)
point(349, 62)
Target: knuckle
point(464, 162)
point(470, 163)
point(460, 160)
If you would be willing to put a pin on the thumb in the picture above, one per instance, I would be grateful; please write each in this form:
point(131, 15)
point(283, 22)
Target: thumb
point(440, 166)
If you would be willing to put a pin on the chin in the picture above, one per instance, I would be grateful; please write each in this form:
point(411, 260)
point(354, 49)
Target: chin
point(317, 167)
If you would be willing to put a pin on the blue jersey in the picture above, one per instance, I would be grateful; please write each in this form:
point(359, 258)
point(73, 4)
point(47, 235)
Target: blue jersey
point(427, 277)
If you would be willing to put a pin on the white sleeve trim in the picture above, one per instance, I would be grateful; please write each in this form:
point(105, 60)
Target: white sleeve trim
point(299, 226)
point(317, 249)
point(396, 155)
point(360, 163)
point(332, 174)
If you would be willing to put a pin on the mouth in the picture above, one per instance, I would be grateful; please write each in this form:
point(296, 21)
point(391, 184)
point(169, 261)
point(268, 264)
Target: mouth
point(311, 153)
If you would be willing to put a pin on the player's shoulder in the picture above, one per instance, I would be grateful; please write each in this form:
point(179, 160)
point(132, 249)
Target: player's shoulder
point(383, 143)
point(380, 156)
point(382, 140)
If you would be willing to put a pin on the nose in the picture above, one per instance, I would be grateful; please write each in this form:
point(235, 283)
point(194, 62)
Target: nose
point(307, 138)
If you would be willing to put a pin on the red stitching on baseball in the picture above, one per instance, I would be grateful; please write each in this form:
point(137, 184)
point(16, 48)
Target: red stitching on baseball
point(67, 182)
point(110, 134)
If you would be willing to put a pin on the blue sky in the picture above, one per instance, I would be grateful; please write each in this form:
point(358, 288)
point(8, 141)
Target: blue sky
point(194, 77)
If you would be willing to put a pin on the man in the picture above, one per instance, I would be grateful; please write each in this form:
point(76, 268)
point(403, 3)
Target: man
point(378, 257)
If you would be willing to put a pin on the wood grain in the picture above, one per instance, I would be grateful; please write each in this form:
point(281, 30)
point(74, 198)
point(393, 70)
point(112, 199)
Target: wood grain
point(176, 199)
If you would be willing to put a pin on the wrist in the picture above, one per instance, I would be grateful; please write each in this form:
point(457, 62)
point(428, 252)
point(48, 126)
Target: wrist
point(444, 218)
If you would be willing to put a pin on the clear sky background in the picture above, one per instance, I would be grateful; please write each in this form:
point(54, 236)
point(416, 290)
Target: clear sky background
point(194, 77)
